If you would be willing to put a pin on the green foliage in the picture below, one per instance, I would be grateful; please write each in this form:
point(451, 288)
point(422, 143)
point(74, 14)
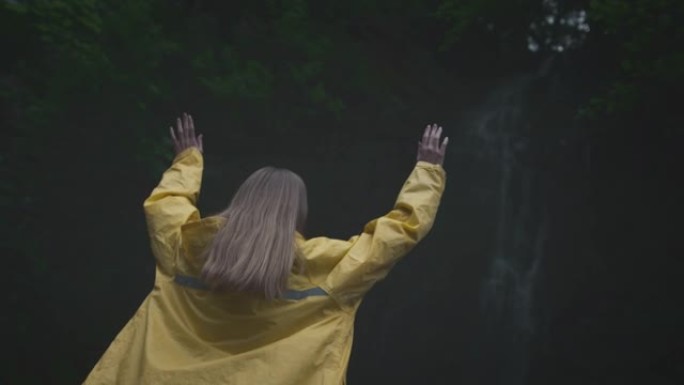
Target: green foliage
point(508, 21)
point(229, 76)
point(650, 60)
point(462, 15)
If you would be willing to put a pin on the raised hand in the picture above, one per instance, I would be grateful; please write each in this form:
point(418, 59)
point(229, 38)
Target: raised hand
point(429, 149)
point(185, 136)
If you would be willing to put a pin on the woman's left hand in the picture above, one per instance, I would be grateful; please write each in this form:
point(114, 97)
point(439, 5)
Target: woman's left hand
point(185, 137)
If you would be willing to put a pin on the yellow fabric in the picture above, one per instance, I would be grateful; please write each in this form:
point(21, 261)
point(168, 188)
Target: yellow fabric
point(184, 335)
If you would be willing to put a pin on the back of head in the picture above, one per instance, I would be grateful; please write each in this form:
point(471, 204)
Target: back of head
point(255, 250)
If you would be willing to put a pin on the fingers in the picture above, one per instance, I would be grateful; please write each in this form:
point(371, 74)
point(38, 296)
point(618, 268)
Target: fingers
point(184, 135)
point(181, 134)
point(431, 136)
point(189, 128)
point(185, 127)
point(192, 126)
point(434, 142)
point(174, 139)
point(186, 130)
point(430, 148)
point(193, 139)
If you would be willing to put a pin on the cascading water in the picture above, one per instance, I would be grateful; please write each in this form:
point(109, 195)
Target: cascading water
point(507, 289)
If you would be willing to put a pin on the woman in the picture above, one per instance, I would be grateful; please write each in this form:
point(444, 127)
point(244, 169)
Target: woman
point(242, 297)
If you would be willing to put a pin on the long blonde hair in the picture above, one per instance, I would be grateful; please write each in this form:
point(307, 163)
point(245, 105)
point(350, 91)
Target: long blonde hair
point(255, 250)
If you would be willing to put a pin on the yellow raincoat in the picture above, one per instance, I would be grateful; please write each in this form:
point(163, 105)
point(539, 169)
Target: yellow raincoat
point(185, 334)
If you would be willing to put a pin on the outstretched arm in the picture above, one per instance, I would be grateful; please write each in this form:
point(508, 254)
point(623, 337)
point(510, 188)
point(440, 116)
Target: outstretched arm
point(173, 202)
point(386, 239)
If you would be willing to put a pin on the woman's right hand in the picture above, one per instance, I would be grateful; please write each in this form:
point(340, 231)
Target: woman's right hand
point(185, 137)
point(429, 149)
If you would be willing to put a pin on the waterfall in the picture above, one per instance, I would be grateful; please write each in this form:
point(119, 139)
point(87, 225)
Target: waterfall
point(501, 131)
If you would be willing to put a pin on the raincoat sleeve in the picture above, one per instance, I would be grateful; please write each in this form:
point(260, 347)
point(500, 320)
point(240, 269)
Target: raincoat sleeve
point(386, 239)
point(172, 204)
